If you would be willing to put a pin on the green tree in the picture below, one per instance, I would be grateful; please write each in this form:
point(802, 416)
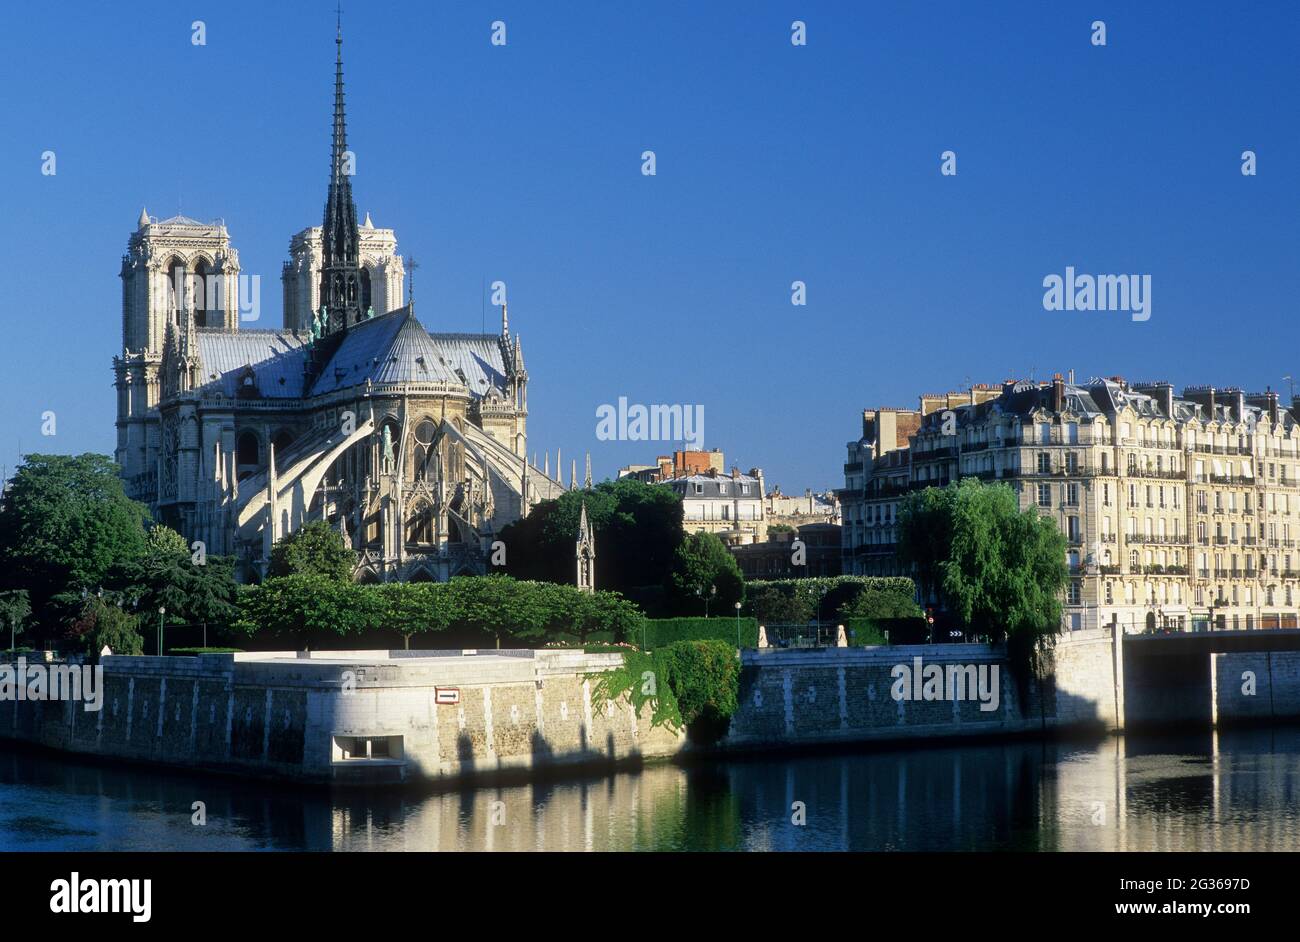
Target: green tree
point(410, 608)
point(637, 529)
point(315, 549)
point(305, 605)
point(65, 524)
point(15, 607)
point(101, 624)
point(999, 569)
point(703, 563)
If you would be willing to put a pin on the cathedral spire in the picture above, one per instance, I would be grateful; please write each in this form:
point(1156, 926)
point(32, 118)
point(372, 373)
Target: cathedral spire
point(340, 289)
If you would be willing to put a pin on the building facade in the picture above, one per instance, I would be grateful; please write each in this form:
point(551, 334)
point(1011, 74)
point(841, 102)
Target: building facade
point(411, 443)
point(731, 506)
point(1178, 511)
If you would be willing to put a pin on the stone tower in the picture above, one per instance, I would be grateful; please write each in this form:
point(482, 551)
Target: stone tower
point(177, 273)
point(585, 550)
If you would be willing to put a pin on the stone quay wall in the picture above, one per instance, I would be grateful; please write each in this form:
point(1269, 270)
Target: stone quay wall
point(1255, 686)
point(833, 695)
point(351, 717)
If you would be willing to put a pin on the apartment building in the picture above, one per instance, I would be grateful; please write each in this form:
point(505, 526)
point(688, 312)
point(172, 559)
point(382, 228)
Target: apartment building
point(1178, 511)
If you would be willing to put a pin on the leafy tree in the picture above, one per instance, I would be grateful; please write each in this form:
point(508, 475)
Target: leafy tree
point(15, 608)
point(637, 528)
point(702, 563)
point(65, 523)
point(777, 528)
point(101, 623)
point(771, 605)
point(410, 608)
point(305, 604)
point(892, 601)
point(999, 569)
point(315, 549)
point(163, 542)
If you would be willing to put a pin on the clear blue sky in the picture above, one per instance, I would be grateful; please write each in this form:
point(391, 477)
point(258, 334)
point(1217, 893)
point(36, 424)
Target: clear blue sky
point(775, 163)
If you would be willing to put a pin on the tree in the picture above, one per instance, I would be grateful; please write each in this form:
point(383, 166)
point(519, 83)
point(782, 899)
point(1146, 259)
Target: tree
point(703, 563)
point(15, 607)
point(410, 608)
point(637, 528)
point(315, 549)
point(306, 604)
point(101, 624)
point(65, 523)
point(999, 569)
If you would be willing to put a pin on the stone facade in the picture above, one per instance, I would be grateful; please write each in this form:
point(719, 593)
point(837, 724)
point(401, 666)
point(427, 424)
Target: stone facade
point(411, 443)
point(1179, 511)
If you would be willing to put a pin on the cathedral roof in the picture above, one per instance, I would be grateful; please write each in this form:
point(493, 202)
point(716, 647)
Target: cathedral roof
point(276, 356)
point(393, 348)
point(476, 357)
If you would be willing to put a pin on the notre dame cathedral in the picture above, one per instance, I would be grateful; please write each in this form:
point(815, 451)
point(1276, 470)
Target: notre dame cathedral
point(412, 444)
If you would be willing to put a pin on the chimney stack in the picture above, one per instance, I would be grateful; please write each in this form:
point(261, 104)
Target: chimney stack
point(1058, 393)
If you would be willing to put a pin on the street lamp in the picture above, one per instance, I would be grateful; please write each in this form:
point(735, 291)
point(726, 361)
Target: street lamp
point(737, 626)
point(161, 612)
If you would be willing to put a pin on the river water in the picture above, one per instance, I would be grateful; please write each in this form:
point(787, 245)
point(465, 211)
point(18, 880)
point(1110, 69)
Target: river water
point(1237, 790)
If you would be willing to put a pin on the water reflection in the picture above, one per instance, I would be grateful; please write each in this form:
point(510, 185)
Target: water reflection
point(1203, 791)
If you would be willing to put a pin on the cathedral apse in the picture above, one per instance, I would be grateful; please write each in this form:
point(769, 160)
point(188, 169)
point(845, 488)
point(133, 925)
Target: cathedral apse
point(410, 442)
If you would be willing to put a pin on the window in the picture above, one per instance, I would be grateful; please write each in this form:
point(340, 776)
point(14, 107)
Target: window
point(1044, 495)
point(362, 748)
point(1045, 432)
point(1044, 462)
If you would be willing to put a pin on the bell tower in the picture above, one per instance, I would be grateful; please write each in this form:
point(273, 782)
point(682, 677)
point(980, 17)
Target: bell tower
point(176, 272)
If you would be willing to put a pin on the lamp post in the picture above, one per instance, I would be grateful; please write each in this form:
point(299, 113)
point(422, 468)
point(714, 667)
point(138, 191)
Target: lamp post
point(737, 626)
point(162, 610)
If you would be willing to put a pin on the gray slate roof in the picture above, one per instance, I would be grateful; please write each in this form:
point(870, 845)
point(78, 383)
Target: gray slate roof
point(392, 348)
point(277, 358)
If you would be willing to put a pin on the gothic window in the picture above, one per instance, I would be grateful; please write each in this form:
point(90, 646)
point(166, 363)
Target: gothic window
point(199, 285)
point(283, 439)
point(365, 292)
point(175, 289)
point(420, 528)
point(425, 454)
point(248, 450)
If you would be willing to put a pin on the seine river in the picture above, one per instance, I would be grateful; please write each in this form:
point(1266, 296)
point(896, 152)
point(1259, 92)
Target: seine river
point(1203, 791)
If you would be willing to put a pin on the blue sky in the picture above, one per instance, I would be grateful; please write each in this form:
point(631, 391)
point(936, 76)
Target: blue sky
point(775, 163)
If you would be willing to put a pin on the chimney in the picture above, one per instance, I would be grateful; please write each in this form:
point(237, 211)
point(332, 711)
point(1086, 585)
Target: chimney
point(1162, 392)
point(1058, 393)
point(1272, 407)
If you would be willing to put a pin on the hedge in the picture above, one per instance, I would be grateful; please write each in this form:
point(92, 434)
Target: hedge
point(662, 631)
point(868, 631)
point(797, 600)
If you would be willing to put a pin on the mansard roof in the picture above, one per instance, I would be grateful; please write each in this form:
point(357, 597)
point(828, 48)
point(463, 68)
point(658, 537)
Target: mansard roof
point(276, 356)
